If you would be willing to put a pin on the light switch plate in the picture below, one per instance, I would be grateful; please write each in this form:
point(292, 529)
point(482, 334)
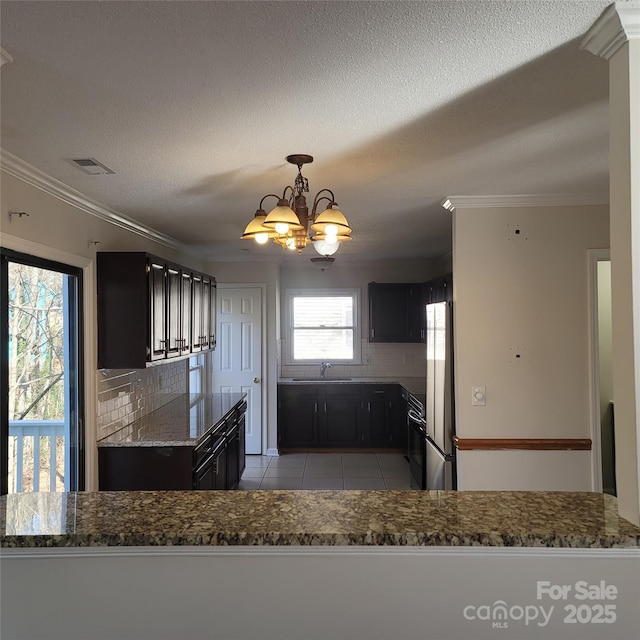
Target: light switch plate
point(478, 396)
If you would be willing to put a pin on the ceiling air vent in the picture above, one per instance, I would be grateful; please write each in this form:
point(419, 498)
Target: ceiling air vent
point(90, 166)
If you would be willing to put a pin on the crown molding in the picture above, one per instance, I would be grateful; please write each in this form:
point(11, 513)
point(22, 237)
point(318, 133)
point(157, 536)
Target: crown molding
point(450, 203)
point(618, 23)
point(27, 173)
point(5, 56)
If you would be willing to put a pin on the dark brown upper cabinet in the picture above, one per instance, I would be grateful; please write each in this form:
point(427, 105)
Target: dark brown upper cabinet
point(396, 312)
point(397, 309)
point(150, 310)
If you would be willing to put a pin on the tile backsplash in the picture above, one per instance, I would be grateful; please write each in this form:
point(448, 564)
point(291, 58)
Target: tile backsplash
point(378, 359)
point(126, 395)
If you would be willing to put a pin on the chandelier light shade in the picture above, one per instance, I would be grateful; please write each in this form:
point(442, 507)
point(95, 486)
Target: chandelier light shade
point(325, 248)
point(283, 218)
point(256, 230)
point(288, 224)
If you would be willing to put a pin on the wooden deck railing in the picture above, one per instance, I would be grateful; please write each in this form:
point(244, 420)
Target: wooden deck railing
point(37, 448)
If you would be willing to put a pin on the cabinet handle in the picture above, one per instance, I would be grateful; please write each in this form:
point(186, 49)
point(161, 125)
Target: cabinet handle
point(315, 407)
point(325, 407)
point(379, 391)
point(369, 407)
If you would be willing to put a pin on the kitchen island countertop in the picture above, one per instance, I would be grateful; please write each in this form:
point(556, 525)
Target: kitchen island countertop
point(315, 518)
point(181, 422)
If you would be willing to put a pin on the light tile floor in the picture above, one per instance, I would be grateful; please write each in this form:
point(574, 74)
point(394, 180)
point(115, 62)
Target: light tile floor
point(326, 471)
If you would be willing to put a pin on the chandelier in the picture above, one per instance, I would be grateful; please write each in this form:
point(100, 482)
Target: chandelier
point(289, 223)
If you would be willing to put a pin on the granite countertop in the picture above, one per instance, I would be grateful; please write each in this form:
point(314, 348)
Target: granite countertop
point(315, 518)
point(181, 422)
point(412, 384)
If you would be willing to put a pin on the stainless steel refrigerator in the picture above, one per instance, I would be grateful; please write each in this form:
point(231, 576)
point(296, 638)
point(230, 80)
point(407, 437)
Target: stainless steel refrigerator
point(440, 459)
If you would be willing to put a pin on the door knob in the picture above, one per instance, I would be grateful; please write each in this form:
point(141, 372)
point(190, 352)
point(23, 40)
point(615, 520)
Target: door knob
point(256, 380)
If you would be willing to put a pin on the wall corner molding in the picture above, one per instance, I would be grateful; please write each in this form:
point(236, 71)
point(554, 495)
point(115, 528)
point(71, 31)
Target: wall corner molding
point(618, 23)
point(451, 203)
point(27, 173)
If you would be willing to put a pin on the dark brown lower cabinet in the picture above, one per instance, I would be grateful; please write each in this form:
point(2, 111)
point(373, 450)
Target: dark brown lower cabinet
point(340, 416)
point(131, 468)
point(298, 416)
point(216, 461)
point(340, 424)
point(212, 472)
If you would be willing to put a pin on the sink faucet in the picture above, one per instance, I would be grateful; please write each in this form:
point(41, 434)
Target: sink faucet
point(323, 368)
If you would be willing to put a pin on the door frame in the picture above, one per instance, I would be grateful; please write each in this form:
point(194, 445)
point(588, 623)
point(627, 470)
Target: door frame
point(89, 337)
point(595, 256)
point(264, 397)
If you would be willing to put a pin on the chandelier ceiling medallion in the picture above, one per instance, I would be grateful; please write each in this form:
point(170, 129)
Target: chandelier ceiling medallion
point(289, 224)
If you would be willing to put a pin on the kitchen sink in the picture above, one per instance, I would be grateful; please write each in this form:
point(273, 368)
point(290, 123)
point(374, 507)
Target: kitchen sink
point(320, 379)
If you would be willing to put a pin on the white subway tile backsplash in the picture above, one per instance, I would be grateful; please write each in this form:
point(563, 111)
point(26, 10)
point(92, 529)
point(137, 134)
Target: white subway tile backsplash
point(125, 396)
point(379, 360)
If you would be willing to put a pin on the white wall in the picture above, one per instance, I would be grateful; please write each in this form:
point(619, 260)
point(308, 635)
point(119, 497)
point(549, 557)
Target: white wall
point(524, 294)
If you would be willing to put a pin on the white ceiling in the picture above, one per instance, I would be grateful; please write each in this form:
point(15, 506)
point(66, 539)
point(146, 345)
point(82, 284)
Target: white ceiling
point(195, 105)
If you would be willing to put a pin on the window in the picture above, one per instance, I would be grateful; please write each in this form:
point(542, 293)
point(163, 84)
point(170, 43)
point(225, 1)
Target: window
point(323, 325)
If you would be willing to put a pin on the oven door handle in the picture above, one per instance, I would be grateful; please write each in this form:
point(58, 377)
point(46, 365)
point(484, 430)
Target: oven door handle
point(417, 419)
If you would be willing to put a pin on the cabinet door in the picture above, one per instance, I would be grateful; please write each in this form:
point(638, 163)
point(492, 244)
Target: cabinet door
point(157, 305)
point(340, 413)
point(204, 479)
point(381, 410)
point(186, 295)
point(211, 322)
point(416, 314)
point(233, 457)
point(242, 447)
point(376, 416)
point(206, 311)
point(388, 312)
point(297, 416)
point(397, 420)
point(173, 322)
point(199, 340)
point(220, 467)
point(400, 429)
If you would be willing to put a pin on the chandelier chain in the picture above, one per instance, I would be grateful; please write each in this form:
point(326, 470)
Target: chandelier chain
point(301, 184)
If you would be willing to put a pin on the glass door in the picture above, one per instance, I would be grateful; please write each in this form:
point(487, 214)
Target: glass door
point(41, 435)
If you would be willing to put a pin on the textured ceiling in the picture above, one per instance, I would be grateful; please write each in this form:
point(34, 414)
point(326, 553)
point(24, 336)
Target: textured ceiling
point(195, 105)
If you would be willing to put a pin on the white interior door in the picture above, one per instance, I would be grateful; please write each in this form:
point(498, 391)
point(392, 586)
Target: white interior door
point(239, 354)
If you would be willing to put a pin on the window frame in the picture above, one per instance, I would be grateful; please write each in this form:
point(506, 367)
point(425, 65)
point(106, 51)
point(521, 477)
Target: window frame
point(352, 292)
point(75, 412)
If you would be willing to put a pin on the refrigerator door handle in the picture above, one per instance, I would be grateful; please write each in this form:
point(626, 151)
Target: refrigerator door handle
point(445, 457)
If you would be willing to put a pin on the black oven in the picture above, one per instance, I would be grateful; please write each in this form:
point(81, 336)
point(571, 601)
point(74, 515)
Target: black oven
point(417, 441)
